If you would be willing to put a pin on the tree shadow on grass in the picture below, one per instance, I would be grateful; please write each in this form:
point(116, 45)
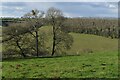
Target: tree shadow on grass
point(27, 58)
point(12, 59)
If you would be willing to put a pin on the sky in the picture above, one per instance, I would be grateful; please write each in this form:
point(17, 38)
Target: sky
point(69, 9)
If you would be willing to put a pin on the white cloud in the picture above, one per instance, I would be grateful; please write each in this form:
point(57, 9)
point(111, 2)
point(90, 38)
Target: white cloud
point(11, 8)
point(70, 15)
point(111, 5)
point(39, 5)
point(8, 15)
point(69, 9)
point(18, 8)
point(67, 14)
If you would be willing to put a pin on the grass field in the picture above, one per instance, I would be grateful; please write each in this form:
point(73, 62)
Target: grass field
point(98, 57)
point(99, 65)
point(84, 43)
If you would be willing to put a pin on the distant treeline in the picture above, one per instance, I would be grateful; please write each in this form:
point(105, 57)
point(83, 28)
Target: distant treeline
point(107, 27)
point(7, 21)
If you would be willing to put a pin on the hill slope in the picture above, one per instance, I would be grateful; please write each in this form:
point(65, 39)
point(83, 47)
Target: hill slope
point(100, 65)
point(92, 43)
point(85, 43)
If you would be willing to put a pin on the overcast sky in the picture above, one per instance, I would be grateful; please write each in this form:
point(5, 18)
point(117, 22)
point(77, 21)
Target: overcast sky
point(70, 9)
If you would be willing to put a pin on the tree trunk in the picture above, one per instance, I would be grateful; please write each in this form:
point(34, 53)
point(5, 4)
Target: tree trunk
point(37, 52)
point(53, 47)
point(22, 53)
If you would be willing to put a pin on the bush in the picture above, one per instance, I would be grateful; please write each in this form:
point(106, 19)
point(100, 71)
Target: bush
point(10, 53)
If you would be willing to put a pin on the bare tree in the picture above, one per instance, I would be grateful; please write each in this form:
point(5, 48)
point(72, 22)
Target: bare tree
point(35, 20)
point(13, 34)
point(55, 18)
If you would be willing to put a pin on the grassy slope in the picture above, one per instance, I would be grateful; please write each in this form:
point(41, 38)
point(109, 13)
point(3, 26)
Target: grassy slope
point(84, 43)
point(101, 63)
point(87, 65)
